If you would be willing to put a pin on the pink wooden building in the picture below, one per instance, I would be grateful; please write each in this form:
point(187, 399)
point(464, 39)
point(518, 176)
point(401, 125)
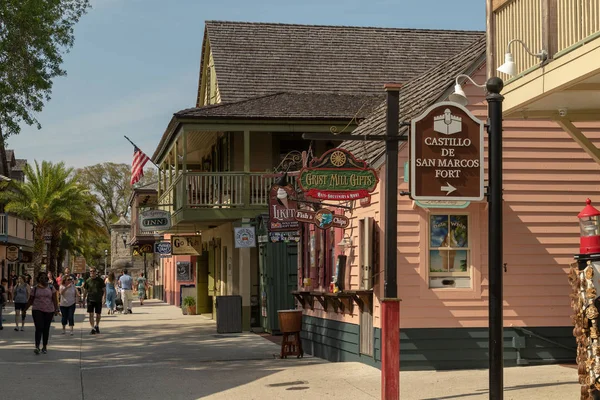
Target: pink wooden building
point(444, 308)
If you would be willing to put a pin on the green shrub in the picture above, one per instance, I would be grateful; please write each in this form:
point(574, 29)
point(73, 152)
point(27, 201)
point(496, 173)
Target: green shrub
point(189, 301)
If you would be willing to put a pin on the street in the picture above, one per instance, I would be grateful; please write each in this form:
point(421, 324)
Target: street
point(158, 353)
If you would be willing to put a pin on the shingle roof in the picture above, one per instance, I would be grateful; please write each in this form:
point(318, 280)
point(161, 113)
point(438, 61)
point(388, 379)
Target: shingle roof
point(254, 59)
point(415, 97)
point(19, 164)
point(291, 106)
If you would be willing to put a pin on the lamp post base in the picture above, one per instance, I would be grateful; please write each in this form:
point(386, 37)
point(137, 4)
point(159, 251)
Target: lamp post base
point(390, 349)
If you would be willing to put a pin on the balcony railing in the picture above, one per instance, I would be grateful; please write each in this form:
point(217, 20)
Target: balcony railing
point(219, 190)
point(556, 26)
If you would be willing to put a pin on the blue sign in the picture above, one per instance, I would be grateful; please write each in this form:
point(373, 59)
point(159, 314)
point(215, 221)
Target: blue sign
point(163, 248)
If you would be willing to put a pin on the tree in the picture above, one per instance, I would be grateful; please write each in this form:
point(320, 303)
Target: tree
point(49, 196)
point(34, 35)
point(109, 183)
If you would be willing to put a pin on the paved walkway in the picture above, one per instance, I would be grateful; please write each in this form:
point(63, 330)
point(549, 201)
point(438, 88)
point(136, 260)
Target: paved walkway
point(158, 353)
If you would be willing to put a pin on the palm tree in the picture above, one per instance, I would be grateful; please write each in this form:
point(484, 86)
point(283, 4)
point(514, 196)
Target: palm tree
point(46, 198)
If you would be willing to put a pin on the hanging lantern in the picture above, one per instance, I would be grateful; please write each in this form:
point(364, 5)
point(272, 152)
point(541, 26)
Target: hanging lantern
point(589, 223)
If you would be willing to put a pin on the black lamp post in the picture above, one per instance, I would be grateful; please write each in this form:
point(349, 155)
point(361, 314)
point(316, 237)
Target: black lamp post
point(496, 323)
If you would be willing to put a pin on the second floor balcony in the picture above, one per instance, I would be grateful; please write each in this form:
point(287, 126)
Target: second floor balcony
point(567, 75)
point(217, 195)
point(14, 230)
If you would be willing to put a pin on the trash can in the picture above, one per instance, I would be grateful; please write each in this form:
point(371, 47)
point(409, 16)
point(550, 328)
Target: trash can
point(290, 321)
point(229, 314)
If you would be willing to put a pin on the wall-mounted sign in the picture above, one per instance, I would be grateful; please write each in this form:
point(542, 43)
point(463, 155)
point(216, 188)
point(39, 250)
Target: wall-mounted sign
point(184, 271)
point(338, 175)
point(282, 209)
point(446, 143)
point(186, 245)
point(155, 220)
point(244, 237)
point(323, 219)
point(79, 265)
point(162, 248)
point(12, 253)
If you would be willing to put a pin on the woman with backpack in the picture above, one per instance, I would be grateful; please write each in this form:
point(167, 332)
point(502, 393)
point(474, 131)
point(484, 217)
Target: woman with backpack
point(44, 305)
point(21, 292)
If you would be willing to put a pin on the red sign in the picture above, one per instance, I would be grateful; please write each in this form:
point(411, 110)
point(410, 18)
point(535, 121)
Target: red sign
point(282, 209)
point(338, 175)
point(446, 155)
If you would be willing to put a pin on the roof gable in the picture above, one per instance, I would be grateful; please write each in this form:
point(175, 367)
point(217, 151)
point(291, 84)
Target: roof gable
point(415, 97)
point(254, 59)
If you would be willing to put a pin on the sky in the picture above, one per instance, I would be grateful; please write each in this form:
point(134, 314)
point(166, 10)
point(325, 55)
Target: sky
point(136, 62)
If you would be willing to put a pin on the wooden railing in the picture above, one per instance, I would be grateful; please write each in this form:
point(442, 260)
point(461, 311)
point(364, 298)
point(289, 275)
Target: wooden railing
point(556, 26)
point(219, 190)
point(576, 21)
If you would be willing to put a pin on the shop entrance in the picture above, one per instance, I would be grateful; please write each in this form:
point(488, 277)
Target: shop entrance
point(203, 300)
point(278, 269)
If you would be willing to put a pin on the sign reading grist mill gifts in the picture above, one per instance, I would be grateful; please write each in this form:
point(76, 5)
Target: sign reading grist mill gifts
point(282, 209)
point(446, 143)
point(338, 175)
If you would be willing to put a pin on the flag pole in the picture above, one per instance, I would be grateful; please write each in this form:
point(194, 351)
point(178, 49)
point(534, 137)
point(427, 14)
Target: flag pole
point(149, 159)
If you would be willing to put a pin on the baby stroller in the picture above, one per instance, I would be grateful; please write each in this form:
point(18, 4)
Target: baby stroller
point(119, 303)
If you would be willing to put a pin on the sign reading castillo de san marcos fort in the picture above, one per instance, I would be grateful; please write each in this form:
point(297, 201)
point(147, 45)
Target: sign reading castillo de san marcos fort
point(446, 154)
point(338, 175)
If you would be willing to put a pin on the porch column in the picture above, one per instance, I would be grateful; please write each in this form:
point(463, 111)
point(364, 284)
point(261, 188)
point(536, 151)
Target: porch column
point(185, 185)
point(246, 197)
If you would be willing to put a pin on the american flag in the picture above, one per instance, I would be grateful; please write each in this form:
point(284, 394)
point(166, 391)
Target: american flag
point(137, 166)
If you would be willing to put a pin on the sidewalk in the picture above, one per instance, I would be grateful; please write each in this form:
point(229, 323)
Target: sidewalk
point(158, 353)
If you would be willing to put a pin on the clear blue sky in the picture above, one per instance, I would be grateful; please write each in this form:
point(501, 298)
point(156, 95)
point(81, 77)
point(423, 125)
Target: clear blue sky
point(136, 62)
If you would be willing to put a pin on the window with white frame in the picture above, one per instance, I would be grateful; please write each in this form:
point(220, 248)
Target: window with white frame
point(449, 251)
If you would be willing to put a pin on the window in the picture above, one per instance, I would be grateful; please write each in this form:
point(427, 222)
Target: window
point(449, 251)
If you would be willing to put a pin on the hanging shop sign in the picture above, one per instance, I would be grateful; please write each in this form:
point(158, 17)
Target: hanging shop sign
point(323, 219)
point(286, 237)
point(143, 249)
point(282, 209)
point(338, 175)
point(12, 253)
point(186, 245)
point(446, 153)
point(244, 237)
point(162, 248)
point(155, 220)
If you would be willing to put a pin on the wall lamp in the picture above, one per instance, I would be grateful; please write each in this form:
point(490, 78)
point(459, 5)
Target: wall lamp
point(459, 95)
point(124, 237)
point(345, 243)
point(509, 66)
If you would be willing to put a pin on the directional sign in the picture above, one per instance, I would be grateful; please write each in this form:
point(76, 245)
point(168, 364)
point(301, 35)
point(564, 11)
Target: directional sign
point(446, 153)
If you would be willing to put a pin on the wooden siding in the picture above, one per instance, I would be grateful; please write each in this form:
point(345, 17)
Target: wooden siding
point(546, 180)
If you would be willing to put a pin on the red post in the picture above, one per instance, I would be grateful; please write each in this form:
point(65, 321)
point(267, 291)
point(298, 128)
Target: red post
point(390, 349)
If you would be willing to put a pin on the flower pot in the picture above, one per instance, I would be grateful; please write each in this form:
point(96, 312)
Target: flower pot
point(191, 310)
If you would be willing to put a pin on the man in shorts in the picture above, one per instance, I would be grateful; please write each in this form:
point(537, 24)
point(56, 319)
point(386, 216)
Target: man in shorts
point(94, 290)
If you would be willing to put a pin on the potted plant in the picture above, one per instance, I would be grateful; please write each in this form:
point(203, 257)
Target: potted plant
point(190, 304)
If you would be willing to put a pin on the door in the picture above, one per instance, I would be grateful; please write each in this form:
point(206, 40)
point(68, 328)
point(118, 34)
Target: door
point(203, 300)
point(366, 329)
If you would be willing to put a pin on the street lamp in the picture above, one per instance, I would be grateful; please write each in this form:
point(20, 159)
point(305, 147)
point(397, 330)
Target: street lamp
point(494, 99)
point(105, 260)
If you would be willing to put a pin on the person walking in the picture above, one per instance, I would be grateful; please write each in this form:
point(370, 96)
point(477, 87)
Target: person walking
point(21, 292)
point(95, 292)
point(12, 282)
point(111, 292)
point(142, 285)
point(44, 306)
point(126, 284)
point(68, 302)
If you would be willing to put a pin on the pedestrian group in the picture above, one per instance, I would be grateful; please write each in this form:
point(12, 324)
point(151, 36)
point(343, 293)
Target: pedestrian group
point(52, 296)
